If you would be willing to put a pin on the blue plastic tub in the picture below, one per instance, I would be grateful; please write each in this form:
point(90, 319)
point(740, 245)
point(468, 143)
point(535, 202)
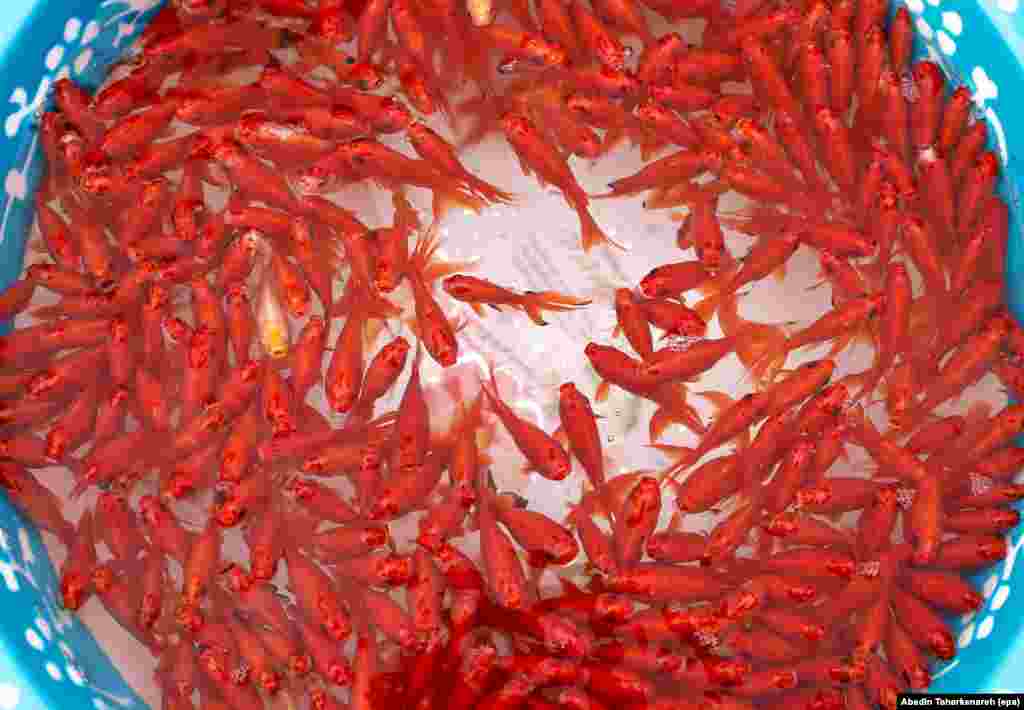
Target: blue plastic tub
point(49, 660)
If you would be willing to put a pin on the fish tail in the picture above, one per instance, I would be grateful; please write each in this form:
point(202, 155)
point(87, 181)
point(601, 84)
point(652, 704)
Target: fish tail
point(651, 146)
point(357, 298)
point(707, 306)
point(362, 410)
point(715, 291)
point(683, 457)
point(490, 387)
point(590, 232)
point(612, 137)
point(485, 109)
point(534, 303)
point(764, 368)
point(448, 197)
point(487, 191)
point(674, 409)
point(866, 382)
point(762, 348)
point(422, 255)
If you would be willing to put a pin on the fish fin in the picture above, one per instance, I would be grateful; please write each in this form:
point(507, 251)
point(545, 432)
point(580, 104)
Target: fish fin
point(650, 148)
point(780, 275)
point(612, 137)
point(560, 436)
point(478, 309)
point(535, 302)
point(684, 458)
point(667, 415)
point(840, 344)
point(486, 190)
point(743, 439)
point(706, 307)
point(423, 253)
point(684, 239)
point(677, 453)
point(591, 234)
point(660, 421)
point(437, 270)
point(460, 323)
point(719, 400)
point(603, 389)
point(406, 217)
point(672, 398)
point(490, 388)
point(446, 197)
point(866, 382)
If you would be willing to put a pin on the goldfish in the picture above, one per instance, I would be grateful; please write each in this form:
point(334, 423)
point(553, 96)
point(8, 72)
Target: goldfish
point(676, 167)
point(615, 367)
point(842, 324)
point(598, 38)
point(538, 156)
point(632, 322)
point(479, 292)
point(734, 419)
point(432, 147)
point(344, 377)
point(769, 255)
point(543, 453)
point(579, 423)
point(271, 321)
point(527, 45)
point(368, 159)
point(436, 331)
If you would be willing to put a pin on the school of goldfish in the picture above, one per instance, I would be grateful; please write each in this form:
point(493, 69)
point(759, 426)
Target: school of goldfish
point(843, 146)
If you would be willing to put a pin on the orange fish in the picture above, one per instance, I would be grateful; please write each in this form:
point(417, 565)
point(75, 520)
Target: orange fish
point(579, 423)
point(432, 147)
point(480, 292)
point(412, 428)
point(596, 37)
point(633, 323)
point(344, 377)
point(615, 367)
point(543, 453)
point(734, 419)
point(842, 324)
point(435, 331)
point(369, 159)
point(768, 256)
point(540, 157)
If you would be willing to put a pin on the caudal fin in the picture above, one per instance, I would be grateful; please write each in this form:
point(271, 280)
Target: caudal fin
point(761, 347)
point(591, 234)
point(764, 369)
point(683, 458)
point(534, 303)
point(487, 191)
point(674, 409)
point(447, 197)
point(715, 289)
